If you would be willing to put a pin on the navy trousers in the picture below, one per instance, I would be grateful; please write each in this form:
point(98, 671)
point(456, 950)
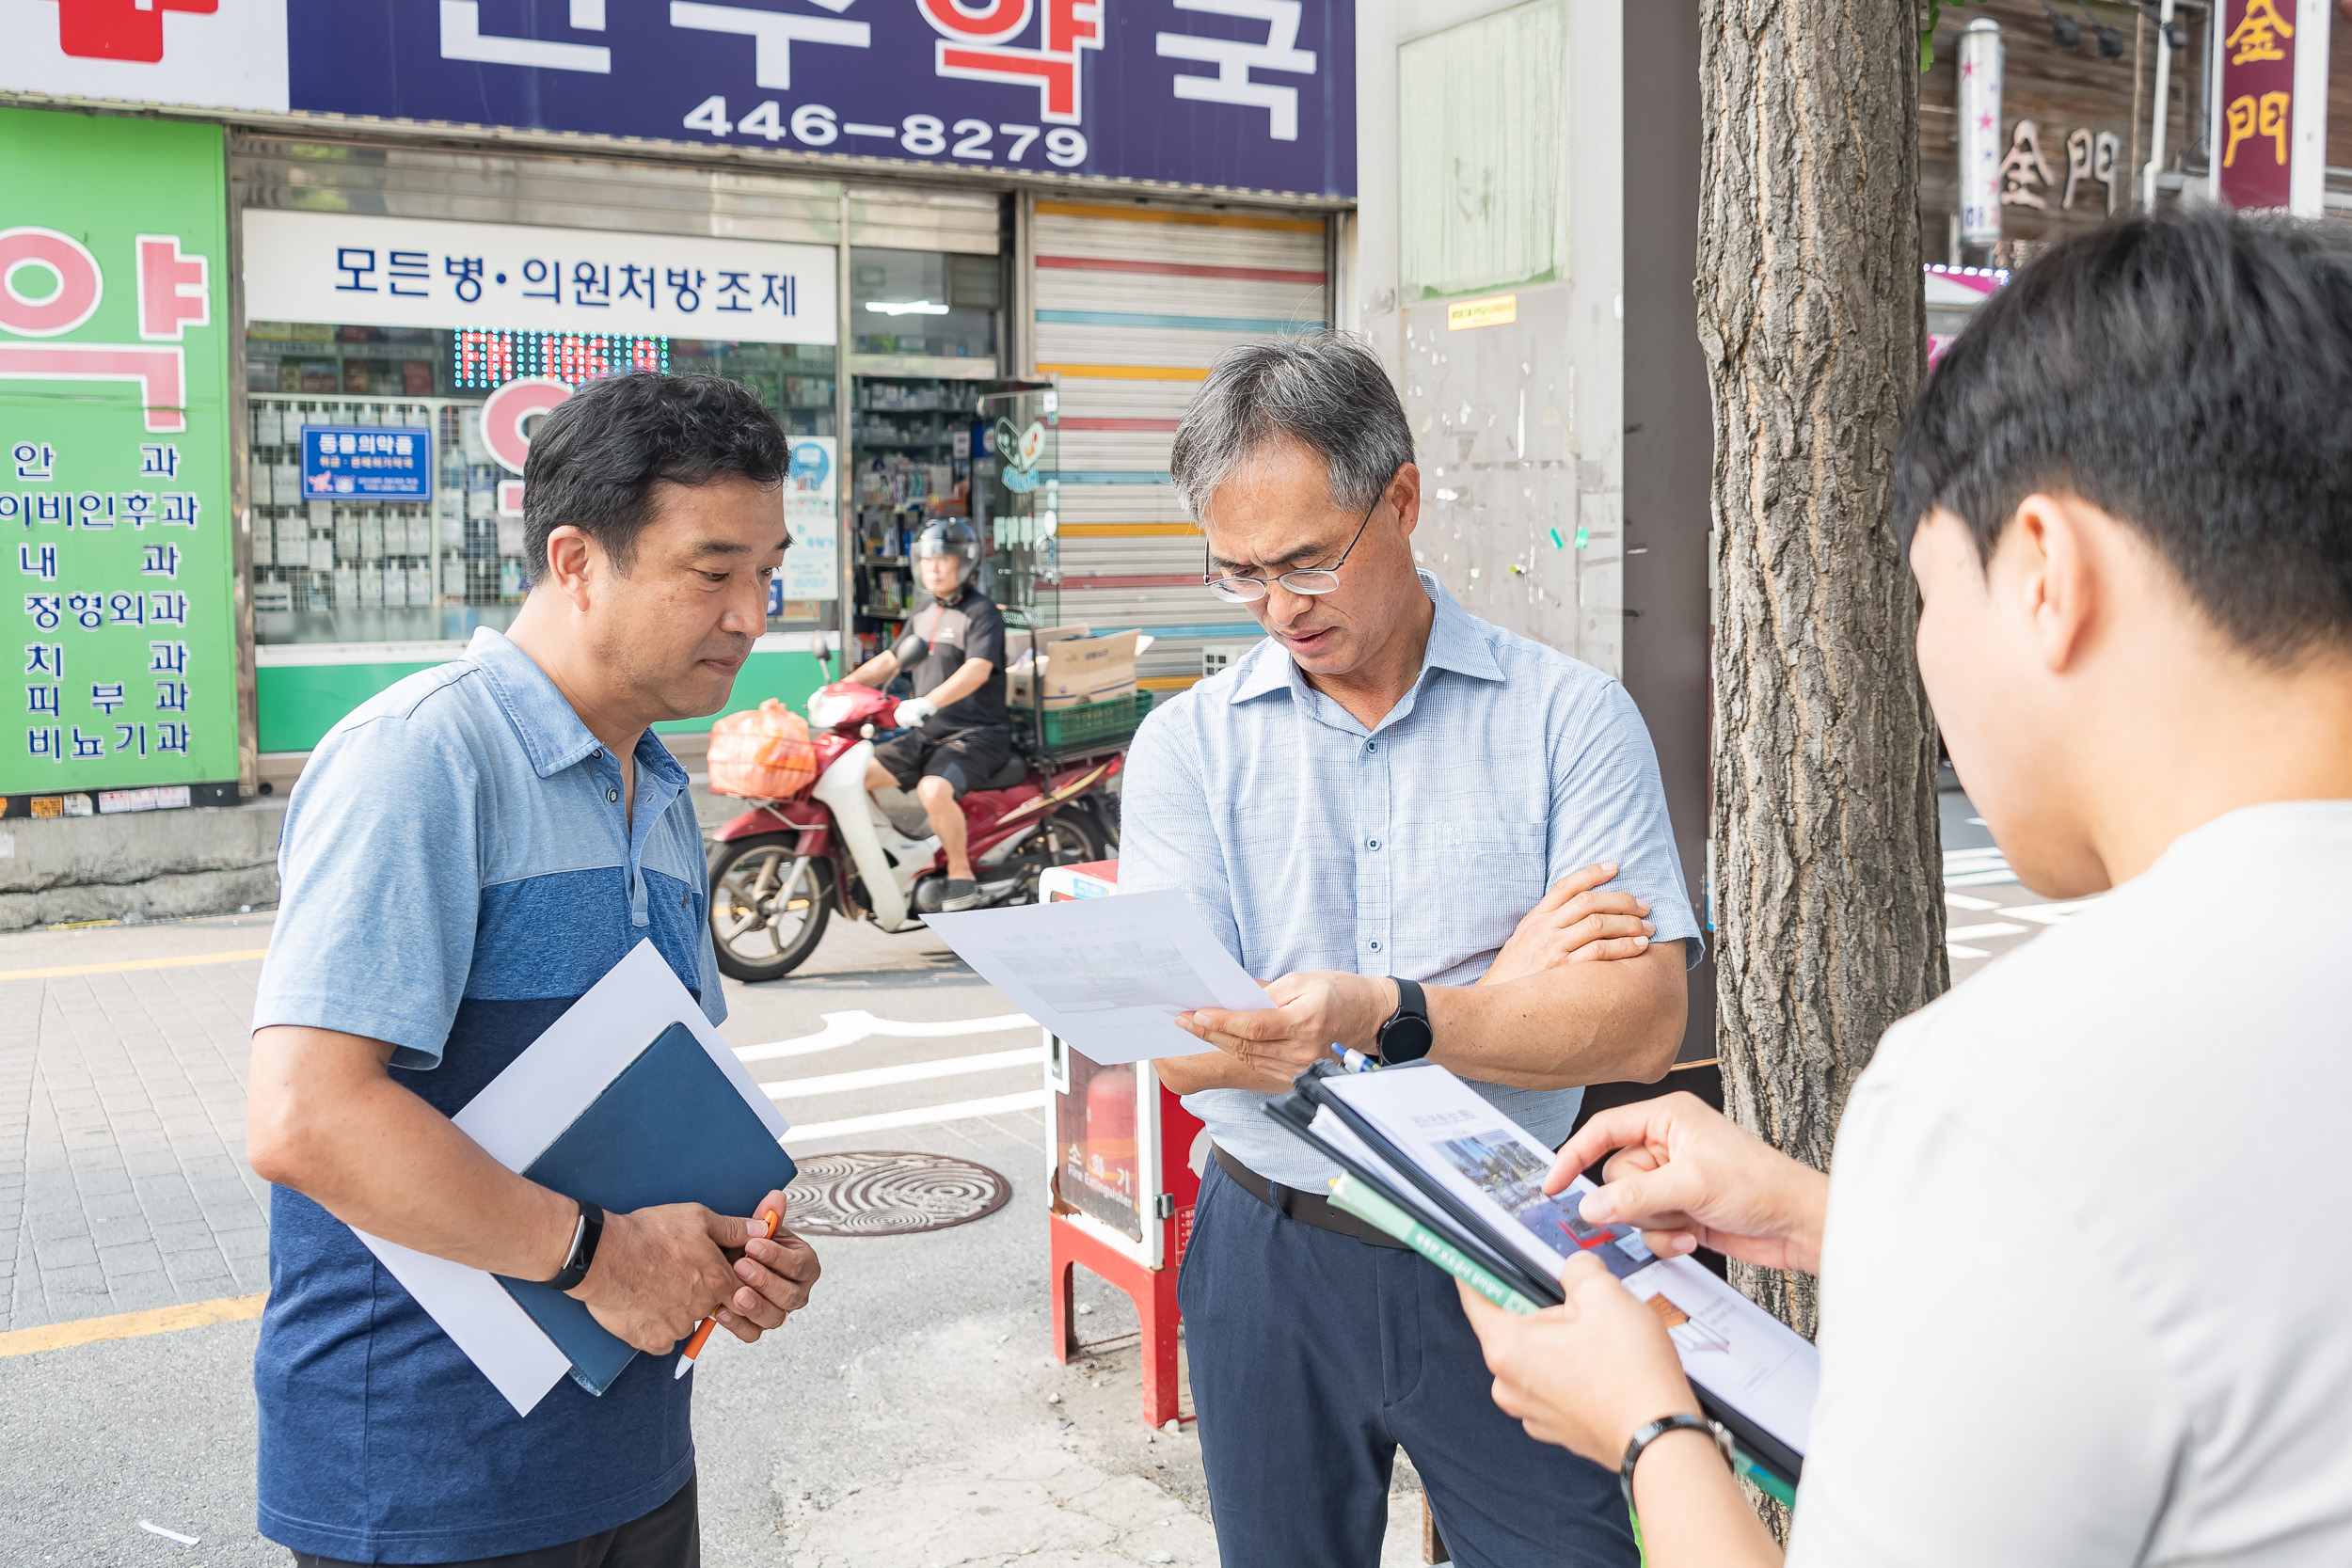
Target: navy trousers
point(1314, 1358)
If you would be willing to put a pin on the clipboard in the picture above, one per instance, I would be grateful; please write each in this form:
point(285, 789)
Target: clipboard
point(1476, 1234)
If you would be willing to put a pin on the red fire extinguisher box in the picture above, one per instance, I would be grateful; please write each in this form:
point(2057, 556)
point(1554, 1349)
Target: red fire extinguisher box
point(1123, 1162)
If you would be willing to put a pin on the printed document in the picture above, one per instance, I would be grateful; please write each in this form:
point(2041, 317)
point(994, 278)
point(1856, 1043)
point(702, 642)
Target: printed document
point(1107, 975)
point(1728, 1345)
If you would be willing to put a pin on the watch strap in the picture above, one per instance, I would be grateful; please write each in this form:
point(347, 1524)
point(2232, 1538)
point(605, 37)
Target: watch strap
point(585, 1236)
point(1651, 1432)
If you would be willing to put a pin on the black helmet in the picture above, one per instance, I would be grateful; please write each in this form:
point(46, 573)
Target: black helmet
point(950, 536)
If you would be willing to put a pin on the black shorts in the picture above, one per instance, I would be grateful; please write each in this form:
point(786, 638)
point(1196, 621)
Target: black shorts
point(965, 759)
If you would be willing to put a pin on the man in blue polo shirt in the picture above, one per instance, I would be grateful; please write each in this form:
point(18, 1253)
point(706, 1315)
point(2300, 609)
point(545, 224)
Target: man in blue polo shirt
point(465, 856)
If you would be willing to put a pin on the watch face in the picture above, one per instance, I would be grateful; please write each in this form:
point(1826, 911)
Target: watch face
point(1405, 1040)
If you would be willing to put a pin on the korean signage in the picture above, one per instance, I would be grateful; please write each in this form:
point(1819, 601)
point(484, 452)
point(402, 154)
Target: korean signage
point(367, 463)
point(337, 267)
point(1255, 94)
point(2272, 106)
point(114, 497)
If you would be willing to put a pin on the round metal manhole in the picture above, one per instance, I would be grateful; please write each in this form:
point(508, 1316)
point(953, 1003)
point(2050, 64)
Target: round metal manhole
point(886, 1194)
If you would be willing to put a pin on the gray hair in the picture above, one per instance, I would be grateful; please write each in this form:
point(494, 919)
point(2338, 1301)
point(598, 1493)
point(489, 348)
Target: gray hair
point(1325, 389)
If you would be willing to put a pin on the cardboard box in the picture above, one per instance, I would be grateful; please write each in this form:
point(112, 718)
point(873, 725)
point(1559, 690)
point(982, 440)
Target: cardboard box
point(1070, 667)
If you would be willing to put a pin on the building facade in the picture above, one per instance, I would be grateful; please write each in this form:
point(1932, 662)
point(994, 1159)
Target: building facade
point(428, 225)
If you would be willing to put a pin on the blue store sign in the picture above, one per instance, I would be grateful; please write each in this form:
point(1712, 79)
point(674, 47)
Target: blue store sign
point(368, 463)
point(1246, 94)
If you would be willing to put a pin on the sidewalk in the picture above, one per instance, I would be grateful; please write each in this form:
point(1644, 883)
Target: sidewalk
point(122, 1176)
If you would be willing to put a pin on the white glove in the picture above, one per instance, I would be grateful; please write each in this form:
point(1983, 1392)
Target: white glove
point(913, 711)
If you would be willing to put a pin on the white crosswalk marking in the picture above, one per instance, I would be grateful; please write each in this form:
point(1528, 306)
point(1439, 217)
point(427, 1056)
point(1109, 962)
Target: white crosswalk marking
point(921, 1116)
point(910, 1062)
point(910, 1072)
point(849, 1028)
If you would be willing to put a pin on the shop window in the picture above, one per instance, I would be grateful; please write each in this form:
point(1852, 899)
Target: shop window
point(924, 303)
point(431, 555)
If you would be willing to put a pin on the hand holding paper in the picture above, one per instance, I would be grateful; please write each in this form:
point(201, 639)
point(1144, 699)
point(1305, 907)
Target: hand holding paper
point(1312, 1012)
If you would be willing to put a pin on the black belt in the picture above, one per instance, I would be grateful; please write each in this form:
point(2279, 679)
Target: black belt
point(1305, 1208)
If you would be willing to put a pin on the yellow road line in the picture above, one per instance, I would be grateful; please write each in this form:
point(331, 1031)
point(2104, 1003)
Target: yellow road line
point(1162, 215)
point(1126, 372)
point(131, 1325)
point(186, 962)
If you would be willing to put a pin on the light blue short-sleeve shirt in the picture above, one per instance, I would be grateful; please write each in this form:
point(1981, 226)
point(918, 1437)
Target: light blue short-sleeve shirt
point(1412, 848)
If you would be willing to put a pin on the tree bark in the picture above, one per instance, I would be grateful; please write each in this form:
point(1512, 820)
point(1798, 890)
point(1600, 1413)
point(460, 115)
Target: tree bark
point(1828, 874)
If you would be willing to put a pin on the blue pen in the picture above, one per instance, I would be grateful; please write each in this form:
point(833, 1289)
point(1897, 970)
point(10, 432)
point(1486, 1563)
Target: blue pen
point(1355, 1061)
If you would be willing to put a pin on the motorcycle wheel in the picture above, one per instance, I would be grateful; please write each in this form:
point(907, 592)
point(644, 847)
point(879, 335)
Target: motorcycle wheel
point(1068, 838)
point(768, 906)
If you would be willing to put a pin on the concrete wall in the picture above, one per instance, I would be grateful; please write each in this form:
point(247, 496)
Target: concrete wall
point(153, 865)
point(1610, 353)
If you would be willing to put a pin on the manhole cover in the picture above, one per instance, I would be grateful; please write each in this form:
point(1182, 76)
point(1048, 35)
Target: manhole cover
point(889, 1194)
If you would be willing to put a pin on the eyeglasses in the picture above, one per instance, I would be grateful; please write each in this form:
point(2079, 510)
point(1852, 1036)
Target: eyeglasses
point(1306, 579)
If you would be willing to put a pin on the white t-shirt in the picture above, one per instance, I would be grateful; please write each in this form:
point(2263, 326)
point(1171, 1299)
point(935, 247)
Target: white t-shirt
point(2087, 1280)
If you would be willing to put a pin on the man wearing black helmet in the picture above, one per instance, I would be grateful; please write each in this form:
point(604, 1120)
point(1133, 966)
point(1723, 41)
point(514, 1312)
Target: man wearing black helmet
point(955, 649)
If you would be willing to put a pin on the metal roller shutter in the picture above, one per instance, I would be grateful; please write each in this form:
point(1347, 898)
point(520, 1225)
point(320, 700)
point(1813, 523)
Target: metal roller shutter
point(1133, 304)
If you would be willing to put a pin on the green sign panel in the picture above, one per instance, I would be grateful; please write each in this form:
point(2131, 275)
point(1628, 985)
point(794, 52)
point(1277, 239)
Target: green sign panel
point(114, 457)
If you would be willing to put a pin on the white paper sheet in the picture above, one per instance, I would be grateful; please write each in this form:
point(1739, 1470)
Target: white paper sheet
point(1107, 975)
point(1727, 1344)
point(515, 1116)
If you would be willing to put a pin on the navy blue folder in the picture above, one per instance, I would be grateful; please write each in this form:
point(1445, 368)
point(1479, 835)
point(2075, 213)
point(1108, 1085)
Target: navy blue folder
point(671, 1128)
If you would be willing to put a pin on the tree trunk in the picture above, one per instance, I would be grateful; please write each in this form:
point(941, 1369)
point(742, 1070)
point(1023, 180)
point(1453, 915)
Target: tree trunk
point(1828, 876)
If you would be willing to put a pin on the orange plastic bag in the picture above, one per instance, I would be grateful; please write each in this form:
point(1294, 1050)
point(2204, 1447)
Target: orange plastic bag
point(763, 753)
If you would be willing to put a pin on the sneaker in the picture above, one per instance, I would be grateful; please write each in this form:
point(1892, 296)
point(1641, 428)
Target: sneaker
point(959, 893)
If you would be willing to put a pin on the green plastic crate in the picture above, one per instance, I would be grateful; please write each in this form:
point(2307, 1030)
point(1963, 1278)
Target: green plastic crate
point(1088, 723)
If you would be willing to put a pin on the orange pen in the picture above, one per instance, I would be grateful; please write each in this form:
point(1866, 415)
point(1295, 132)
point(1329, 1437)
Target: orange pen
point(766, 1228)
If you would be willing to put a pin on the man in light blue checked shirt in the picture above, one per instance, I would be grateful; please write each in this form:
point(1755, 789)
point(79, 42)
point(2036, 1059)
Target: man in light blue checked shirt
point(1368, 809)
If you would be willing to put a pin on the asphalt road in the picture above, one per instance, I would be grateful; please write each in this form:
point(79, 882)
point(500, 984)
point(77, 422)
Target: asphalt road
point(911, 1415)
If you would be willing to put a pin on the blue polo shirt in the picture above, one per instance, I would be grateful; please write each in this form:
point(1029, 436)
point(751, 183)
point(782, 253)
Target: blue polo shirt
point(456, 871)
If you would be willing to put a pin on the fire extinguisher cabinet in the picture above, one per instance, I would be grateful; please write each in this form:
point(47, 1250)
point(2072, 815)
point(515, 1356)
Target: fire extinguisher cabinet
point(1122, 1169)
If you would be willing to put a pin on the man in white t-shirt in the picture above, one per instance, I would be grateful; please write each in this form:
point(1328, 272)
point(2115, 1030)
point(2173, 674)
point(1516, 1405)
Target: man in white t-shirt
point(2086, 1298)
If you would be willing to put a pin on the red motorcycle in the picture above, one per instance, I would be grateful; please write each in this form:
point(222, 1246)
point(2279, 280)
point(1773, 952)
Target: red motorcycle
point(779, 871)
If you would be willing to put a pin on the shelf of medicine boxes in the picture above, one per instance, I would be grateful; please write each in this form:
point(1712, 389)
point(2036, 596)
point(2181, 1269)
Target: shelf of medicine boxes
point(905, 432)
point(320, 556)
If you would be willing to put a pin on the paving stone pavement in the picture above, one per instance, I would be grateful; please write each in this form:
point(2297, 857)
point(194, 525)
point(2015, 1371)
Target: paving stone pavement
point(123, 1180)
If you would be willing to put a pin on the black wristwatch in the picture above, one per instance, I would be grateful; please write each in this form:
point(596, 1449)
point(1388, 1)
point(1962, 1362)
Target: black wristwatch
point(1405, 1036)
point(584, 1239)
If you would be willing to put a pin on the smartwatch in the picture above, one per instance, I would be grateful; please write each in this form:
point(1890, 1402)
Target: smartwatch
point(584, 1238)
point(1405, 1035)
